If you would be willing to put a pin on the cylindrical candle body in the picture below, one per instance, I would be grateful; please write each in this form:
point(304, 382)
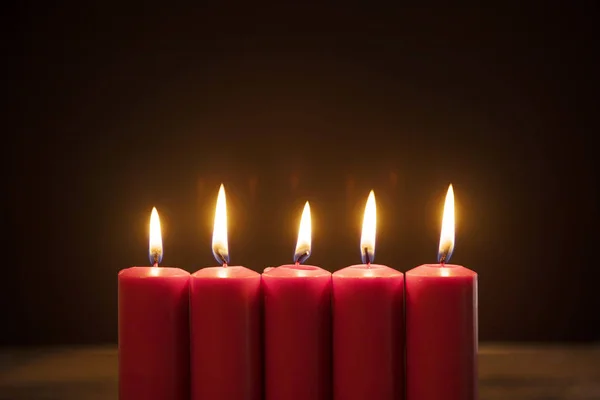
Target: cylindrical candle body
point(441, 333)
point(297, 333)
point(368, 333)
point(226, 345)
point(154, 354)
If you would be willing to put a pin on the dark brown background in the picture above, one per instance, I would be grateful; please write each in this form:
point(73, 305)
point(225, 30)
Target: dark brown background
point(111, 111)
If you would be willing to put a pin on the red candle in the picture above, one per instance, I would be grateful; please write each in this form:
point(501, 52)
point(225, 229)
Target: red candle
point(154, 328)
point(441, 324)
point(225, 320)
point(368, 325)
point(298, 326)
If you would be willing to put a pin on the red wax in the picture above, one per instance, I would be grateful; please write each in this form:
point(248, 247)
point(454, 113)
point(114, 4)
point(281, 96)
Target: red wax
point(297, 333)
point(441, 333)
point(154, 353)
point(226, 345)
point(368, 333)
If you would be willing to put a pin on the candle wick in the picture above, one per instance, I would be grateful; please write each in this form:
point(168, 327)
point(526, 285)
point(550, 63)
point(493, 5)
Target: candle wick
point(443, 256)
point(367, 257)
point(221, 256)
point(443, 259)
point(155, 265)
point(155, 258)
point(299, 258)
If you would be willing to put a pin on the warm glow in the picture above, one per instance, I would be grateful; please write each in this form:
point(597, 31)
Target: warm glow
point(155, 247)
point(223, 272)
point(303, 246)
point(219, 242)
point(447, 235)
point(369, 226)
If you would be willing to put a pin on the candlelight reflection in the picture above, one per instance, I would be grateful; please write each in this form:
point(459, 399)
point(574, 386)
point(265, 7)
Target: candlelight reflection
point(155, 247)
point(369, 226)
point(223, 272)
point(303, 246)
point(220, 247)
point(447, 236)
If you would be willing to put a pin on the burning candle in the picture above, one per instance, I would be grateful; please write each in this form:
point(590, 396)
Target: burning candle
point(225, 315)
point(153, 328)
point(368, 324)
point(298, 326)
point(441, 324)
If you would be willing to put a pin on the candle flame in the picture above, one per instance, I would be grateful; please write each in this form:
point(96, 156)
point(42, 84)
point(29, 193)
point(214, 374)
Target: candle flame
point(220, 247)
point(447, 236)
point(303, 246)
point(155, 247)
point(369, 226)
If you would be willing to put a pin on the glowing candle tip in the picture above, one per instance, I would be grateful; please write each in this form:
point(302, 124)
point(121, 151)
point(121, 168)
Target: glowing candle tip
point(369, 227)
point(446, 247)
point(155, 247)
point(303, 246)
point(220, 247)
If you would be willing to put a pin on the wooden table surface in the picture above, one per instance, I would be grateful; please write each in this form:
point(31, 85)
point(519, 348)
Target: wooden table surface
point(506, 372)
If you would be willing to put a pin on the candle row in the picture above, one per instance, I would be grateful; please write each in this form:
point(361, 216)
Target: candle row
point(297, 331)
